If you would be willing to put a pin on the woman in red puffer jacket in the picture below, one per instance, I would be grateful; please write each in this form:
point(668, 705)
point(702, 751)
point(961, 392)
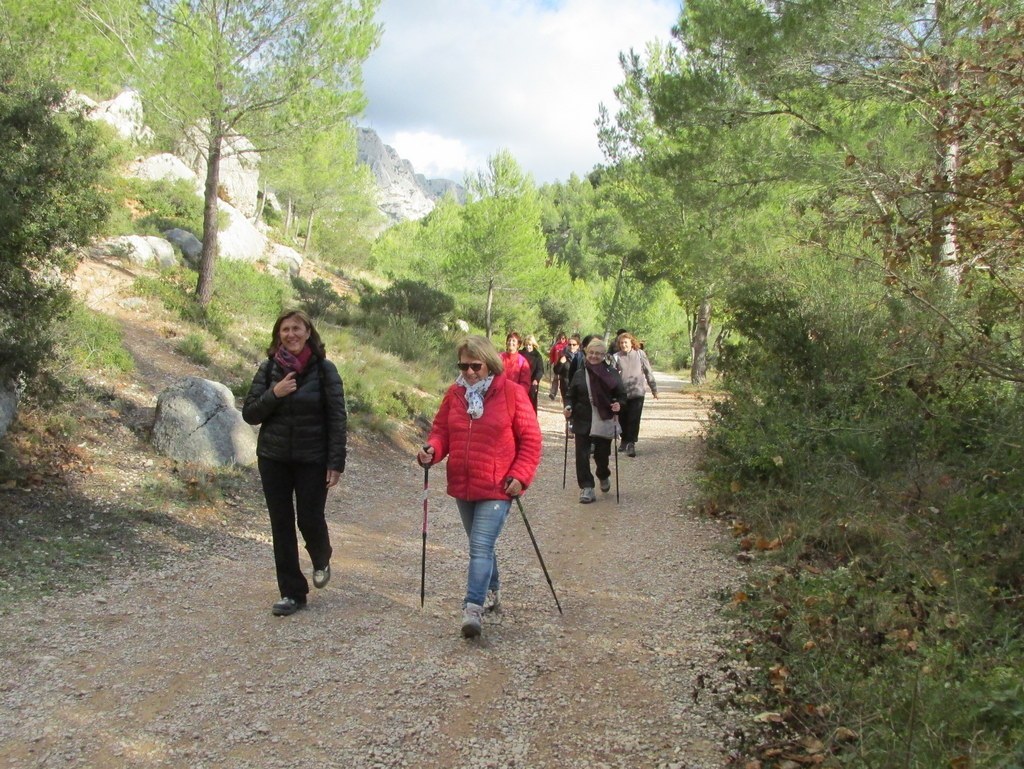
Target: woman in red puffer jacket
point(487, 429)
point(515, 364)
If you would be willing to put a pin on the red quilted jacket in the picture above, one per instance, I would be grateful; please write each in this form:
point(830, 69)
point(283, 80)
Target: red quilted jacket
point(504, 442)
point(517, 369)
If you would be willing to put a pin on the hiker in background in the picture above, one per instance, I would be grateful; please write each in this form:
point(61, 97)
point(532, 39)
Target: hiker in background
point(561, 367)
point(490, 435)
point(613, 348)
point(298, 399)
point(532, 354)
point(579, 356)
point(554, 354)
point(596, 395)
point(634, 368)
point(517, 367)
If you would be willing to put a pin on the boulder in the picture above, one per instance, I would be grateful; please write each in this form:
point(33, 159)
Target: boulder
point(139, 249)
point(196, 421)
point(191, 247)
point(164, 167)
point(239, 240)
point(124, 113)
point(283, 260)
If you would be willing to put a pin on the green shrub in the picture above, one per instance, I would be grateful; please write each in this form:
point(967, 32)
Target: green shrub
point(194, 348)
point(152, 207)
point(317, 296)
point(52, 167)
point(409, 299)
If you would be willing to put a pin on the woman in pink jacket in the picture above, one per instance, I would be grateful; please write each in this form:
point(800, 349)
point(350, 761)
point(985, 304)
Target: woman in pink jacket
point(487, 429)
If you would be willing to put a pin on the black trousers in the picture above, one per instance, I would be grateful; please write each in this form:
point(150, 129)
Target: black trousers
point(602, 451)
point(296, 493)
point(629, 419)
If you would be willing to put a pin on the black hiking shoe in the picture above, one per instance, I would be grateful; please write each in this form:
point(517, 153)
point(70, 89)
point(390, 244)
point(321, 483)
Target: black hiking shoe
point(287, 606)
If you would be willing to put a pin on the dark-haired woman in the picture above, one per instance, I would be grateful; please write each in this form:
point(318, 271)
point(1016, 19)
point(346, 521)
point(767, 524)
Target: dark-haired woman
point(298, 400)
point(487, 429)
point(533, 355)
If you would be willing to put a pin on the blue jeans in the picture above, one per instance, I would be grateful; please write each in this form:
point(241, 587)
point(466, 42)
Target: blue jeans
point(482, 520)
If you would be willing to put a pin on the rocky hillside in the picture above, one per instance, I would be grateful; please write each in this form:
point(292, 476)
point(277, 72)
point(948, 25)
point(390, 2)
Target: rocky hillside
point(402, 194)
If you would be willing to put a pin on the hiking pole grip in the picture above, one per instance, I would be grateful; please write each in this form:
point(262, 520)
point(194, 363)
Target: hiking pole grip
point(540, 558)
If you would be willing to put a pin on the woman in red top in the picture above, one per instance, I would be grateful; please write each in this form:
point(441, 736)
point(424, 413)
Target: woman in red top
point(488, 431)
point(517, 366)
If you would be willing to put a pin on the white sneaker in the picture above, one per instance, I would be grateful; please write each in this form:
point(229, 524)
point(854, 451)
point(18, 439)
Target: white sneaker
point(471, 620)
point(322, 576)
point(587, 495)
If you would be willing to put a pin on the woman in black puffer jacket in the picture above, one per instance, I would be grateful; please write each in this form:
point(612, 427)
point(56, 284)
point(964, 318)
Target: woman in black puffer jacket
point(298, 399)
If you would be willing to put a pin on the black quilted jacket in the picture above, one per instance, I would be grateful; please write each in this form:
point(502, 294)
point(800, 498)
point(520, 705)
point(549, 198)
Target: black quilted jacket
point(304, 427)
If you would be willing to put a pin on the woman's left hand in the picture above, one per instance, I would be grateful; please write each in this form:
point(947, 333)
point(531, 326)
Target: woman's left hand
point(513, 487)
point(333, 476)
point(616, 406)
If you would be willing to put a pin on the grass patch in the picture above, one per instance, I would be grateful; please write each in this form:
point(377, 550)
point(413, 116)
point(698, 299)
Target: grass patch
point(193, 347)
point(92, 340)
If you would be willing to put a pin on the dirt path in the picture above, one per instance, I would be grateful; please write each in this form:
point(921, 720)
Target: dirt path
point(184, 666)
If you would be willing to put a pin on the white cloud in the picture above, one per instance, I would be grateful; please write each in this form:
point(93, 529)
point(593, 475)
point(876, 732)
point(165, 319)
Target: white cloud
point(465, 78)
point(433, 155)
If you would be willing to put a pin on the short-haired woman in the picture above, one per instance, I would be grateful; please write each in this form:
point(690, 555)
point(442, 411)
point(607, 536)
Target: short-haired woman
point(488, 430)
point(298, 400)
point(596, 394)
point(517, 367)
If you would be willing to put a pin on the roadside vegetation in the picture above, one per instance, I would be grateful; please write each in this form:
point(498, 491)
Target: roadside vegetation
point(842, 182)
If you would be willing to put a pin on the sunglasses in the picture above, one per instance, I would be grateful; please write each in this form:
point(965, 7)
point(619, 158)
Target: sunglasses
point(467, 366)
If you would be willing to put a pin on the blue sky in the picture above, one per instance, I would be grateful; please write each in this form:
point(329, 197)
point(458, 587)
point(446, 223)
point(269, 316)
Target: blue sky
point(454, 81)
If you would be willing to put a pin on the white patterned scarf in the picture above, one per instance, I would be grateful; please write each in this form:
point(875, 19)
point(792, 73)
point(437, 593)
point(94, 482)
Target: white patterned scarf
point(475, 395)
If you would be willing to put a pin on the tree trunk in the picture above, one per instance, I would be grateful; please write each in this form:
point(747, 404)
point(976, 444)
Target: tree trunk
point(945, 248)
point(615, 298)
point(699, 343)
point(490, 303)
point(287, 220)
point(261, 206)
point(309, 232)
point(208, 258)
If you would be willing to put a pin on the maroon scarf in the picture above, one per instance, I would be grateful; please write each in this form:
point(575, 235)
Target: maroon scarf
point(602, 382)
point(296, 363)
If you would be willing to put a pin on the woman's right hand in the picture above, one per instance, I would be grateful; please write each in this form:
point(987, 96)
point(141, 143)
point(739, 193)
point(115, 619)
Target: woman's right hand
point(286, 386)
point(426, 456)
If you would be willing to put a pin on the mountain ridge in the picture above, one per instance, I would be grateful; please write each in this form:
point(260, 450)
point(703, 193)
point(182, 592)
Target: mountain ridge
point(402, 194)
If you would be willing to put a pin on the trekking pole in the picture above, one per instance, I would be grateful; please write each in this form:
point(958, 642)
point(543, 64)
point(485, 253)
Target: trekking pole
point(565, 459)
point(423, 559)
point(539, 556)
point(615, 440)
